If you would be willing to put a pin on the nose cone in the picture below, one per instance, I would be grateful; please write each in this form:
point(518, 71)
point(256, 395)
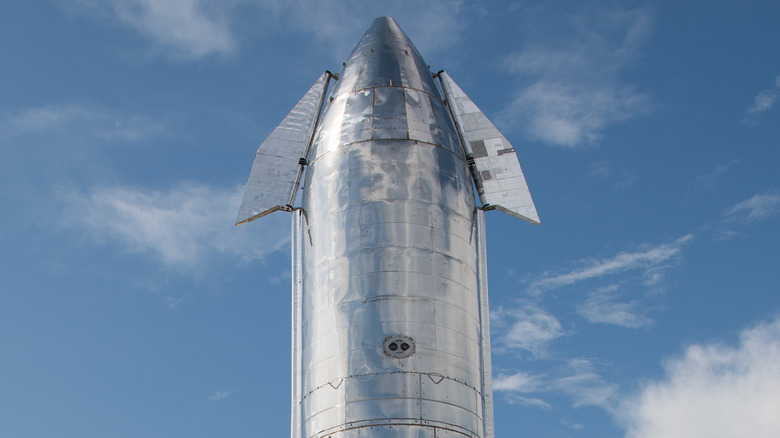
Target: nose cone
point(385, 57)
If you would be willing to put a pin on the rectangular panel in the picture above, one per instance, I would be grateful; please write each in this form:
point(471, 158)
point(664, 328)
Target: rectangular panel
point(389, 114)
point(451, 316)
point(389, 103)
point(322, 399)
point(456, 343)
point(357, 124)
point(397, 432)
point(383, 409)
point(449, 414)
point(394, 308)
point(382, 386)
point(444, 433)
point(328, 419)
point(352, 433)
point(448, 391)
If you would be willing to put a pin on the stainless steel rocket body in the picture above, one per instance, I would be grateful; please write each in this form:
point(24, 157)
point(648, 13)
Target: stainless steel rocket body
point(389, 254)
point(390, 325)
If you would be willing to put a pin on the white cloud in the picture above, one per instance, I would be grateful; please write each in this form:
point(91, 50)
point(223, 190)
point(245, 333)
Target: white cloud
point(649, 261)
point(515, 388)
point(526, 327)
point(219, 395)
point(709, 180)
point(93, 121)
point(282, 276)
point(529, 402)
point(602, 306)
point(713, 390)
point(172, 303)
point(181, 227)
point(520, 382)
point(764, 101)
point(578, 379)
point(757, 208)
point(575, 89)
point(585, 386)
point(192, 29)
point(188, 28)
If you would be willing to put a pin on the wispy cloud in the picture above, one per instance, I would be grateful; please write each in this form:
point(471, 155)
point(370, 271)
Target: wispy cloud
point(649, 261)
point(572, 87)
point(713, 390)
point(181, 227)
point(709, 180)
point(172, 303)
point(219, 395)
point(193, 29)
point(755, 209)
point(102, 123)
point(185, 28)
point(526, 327)
point(622, 179)
point(578, 379)
point(603, 306)
point(520, 382)
point(529, 402)
point(281, 276)
point(585, 386)
point(763, 102)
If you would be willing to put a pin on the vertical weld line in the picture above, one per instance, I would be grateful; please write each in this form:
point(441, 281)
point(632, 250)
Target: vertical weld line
point(420, 396)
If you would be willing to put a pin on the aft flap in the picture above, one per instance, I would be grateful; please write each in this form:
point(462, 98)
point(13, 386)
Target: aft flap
point(499, 175)
point(280, 158)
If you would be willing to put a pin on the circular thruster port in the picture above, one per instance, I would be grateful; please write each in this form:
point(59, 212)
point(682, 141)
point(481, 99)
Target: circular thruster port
point(398, 346)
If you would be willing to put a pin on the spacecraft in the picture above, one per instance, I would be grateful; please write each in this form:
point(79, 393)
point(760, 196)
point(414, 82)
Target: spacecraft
point(396, 167)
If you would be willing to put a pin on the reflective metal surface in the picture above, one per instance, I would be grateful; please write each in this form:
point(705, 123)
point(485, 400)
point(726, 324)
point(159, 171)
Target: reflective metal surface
point(389, 207)
point(390, 319)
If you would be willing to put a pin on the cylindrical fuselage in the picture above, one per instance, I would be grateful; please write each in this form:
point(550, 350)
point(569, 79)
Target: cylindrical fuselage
point(390, 323)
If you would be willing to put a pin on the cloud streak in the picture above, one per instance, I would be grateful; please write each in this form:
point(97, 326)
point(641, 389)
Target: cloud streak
point(602, 306)
point(188, 29)
point(181, 227)
point(195, 29)
point(526, 327)
point(709, 181)
point(764, 101)
point(575, 90)
point(585, 386)
point(219, 395)
point(713, 390)
point(101, 123)
point(649, 261)
point(516, 386)
point(761, 206)
point(578, 379)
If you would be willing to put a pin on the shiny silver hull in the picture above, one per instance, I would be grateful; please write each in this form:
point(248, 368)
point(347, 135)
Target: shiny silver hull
point(390, 313)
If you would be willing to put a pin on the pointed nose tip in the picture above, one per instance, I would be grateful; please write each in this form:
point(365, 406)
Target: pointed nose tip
point(383, 25)
point(385, 57)
point(384, 20)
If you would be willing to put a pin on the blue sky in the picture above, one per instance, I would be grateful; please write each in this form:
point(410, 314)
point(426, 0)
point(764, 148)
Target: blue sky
point(645, 305)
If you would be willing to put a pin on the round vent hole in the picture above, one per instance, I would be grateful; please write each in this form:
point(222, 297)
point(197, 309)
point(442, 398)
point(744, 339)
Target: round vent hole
point(398, 346)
